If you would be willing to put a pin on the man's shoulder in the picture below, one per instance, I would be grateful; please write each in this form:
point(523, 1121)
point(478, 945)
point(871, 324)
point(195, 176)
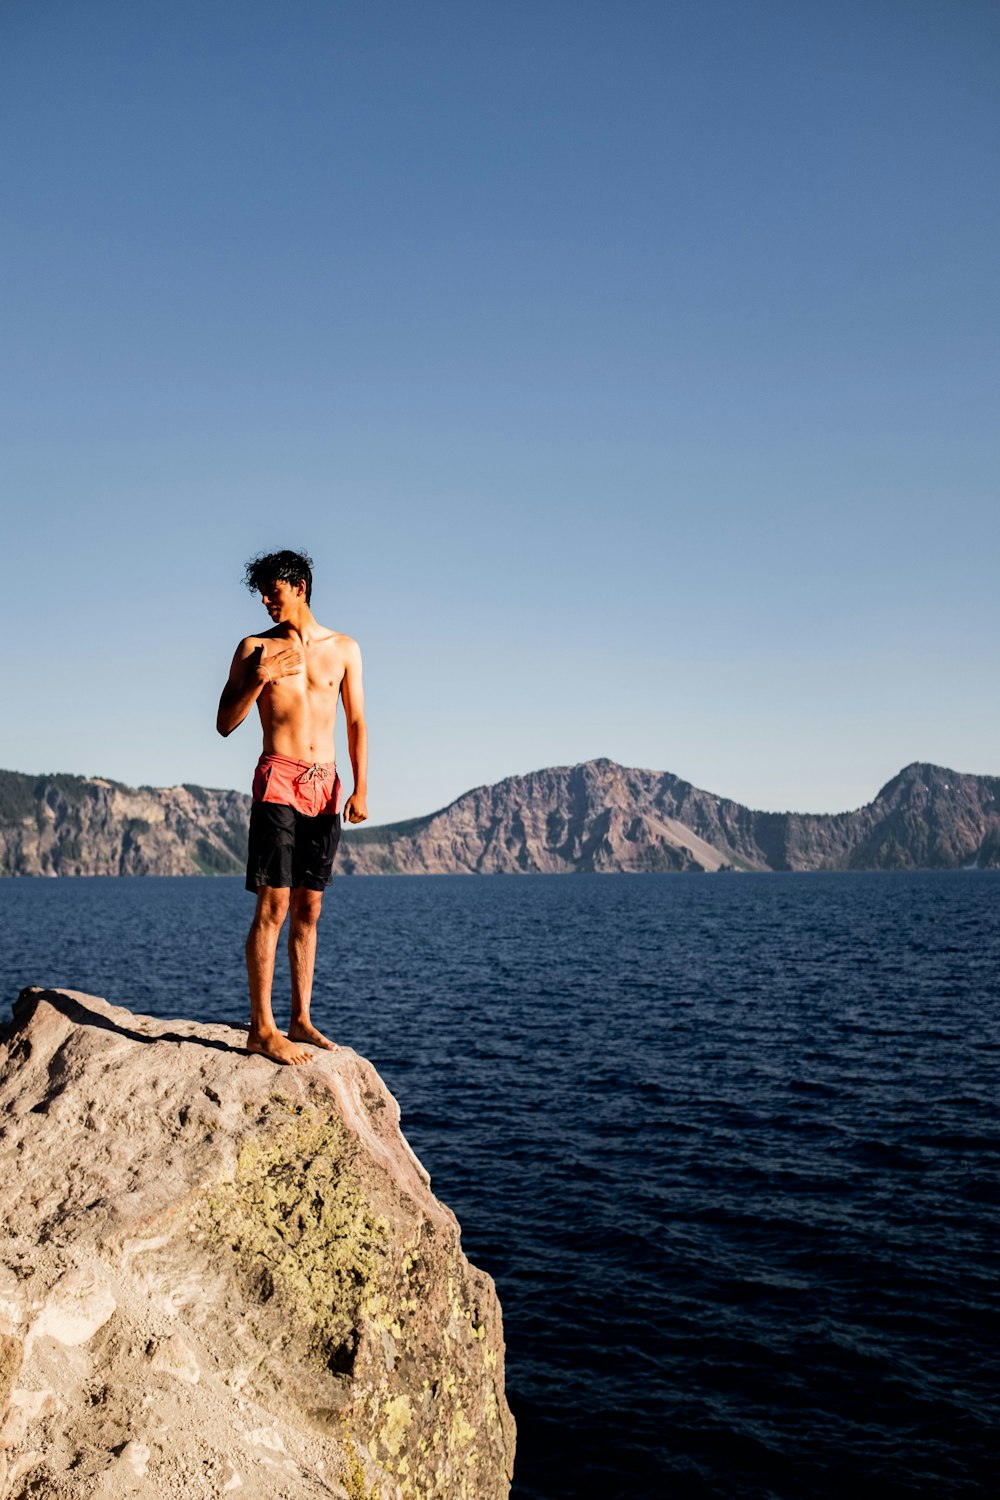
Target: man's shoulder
point(252, 641)
point(338, 641)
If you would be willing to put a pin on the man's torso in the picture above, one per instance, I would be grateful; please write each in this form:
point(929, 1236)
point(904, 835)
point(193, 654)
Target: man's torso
point(298, 712)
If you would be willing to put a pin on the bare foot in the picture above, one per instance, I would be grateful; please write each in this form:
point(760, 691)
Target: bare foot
point(278, 1048)
point(305, 1031)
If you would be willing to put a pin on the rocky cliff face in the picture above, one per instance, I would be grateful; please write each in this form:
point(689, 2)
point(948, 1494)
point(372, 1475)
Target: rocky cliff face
point(77, 825)
point(596, 817)
point(219, 1276)
point(603, 817)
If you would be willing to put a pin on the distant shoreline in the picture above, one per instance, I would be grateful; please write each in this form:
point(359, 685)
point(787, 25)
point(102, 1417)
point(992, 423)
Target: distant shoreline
point(594, 818)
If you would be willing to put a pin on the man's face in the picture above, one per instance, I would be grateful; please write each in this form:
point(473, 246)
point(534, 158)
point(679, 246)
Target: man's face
point(280, 599)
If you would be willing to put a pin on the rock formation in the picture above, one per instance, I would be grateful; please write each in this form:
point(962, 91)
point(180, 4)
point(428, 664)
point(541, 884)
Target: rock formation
point(84, 825)
point(596, 817)
point(602, 817)
point(222, 1277)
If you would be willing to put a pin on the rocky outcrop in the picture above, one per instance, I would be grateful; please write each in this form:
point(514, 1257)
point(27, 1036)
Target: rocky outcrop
point(597, 817)
point(219, 1276)
point(602, 817)
point(79, 825)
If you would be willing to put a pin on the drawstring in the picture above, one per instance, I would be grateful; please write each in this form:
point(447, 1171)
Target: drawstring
point(314, 773)
point(317, 773)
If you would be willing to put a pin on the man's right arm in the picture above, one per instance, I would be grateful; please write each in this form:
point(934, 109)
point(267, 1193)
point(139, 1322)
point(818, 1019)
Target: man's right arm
point(248, 677)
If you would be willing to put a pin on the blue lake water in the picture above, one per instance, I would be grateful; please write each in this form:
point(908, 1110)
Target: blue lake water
point(729, 1146)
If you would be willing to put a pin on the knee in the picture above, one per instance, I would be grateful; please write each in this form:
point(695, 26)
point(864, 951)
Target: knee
point(306, 908)
point(272, 909)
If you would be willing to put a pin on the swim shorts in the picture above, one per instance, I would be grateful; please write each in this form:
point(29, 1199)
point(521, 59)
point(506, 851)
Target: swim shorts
point(294, 824)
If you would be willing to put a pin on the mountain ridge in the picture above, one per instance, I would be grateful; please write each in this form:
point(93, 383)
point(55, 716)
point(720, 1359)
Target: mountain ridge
point(593, 817)
point(600, 816)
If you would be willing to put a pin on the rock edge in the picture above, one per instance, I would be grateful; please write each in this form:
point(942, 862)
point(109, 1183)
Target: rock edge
point(218, 1276)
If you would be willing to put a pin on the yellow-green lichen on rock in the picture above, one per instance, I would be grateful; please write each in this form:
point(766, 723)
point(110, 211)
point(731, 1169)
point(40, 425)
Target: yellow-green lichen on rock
point(353, 1476)
point(296, 1217)
point(313, 1244)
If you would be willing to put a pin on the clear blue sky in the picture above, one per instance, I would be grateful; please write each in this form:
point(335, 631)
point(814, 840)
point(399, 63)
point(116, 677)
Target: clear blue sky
point(629, 369)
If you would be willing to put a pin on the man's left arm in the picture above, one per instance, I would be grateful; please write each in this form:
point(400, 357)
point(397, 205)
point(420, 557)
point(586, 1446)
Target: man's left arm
point(353, 694)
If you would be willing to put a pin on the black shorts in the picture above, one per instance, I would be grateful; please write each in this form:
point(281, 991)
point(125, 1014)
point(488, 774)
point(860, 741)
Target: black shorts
point(289, 848)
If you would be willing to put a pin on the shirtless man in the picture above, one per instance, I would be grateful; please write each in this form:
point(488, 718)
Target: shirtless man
point(294, 672)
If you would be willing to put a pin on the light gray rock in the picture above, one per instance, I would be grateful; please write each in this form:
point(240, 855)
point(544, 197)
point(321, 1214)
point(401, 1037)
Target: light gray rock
point(219, 1276)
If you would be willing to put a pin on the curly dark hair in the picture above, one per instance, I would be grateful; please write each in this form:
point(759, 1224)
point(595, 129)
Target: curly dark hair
point(279, 567)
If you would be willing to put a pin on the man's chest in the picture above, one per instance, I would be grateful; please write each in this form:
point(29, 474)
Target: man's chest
point(323, 672)
point(318, 678)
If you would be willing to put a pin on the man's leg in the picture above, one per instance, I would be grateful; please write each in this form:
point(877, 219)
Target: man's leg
point(306, 907)
point(262, 944)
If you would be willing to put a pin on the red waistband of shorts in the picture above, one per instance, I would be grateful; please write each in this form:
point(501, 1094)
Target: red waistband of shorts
point(322, 770)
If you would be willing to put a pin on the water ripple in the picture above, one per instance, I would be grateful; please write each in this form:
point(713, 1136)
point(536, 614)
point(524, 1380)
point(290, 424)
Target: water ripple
point(729, 1147)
